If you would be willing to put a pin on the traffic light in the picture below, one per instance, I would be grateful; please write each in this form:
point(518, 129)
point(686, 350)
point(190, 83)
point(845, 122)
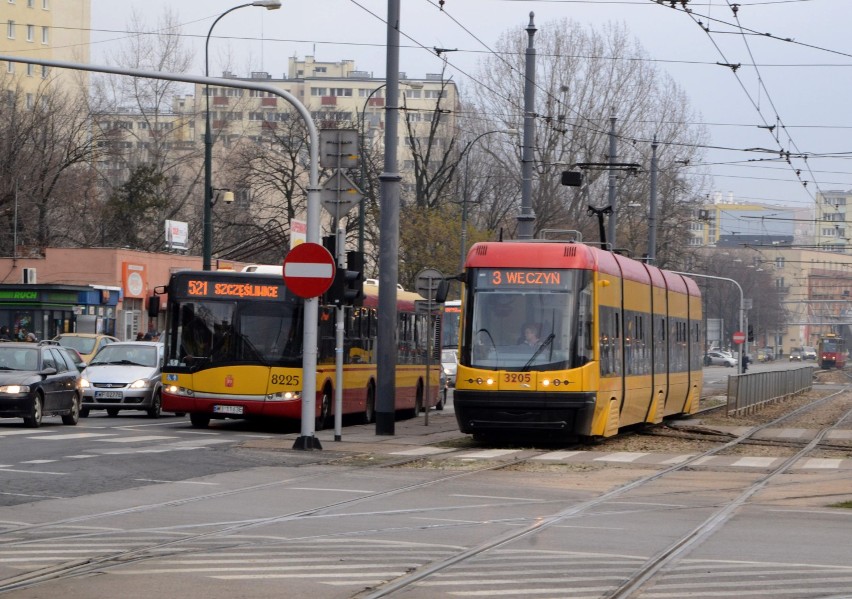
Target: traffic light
point(354, 280)
point(750, 334)
point(347, 288)
point(571, 178)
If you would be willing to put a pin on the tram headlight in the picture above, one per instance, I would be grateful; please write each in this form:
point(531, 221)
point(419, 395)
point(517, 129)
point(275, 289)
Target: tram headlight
point(546, 383)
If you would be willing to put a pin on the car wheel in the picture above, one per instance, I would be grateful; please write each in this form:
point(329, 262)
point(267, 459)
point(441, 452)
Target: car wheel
point(156, 406)
point(33, 420)
point(199, 420)
point(440, 405)
point(73, 417)
point(112, 412)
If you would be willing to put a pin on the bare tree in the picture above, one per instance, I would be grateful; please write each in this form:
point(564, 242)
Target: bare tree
point(583, 77)
point(142, 130)
point(44, 154)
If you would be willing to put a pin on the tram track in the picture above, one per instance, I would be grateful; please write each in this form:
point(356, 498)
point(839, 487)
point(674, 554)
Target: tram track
point(178, 546)
point(653, 567)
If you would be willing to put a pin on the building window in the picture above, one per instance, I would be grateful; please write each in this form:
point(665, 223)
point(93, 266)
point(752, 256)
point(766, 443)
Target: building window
point(779, 262)
point(434, 94)
point(45, 4)
point(45, 35)
point(341, 92)
point(30, 33)
point(45, 70)
point(319, 91)
point(10, 29)
point(413, 93)
point(10, 67)
point(319, 69)
point(30, 70)
point(30, 101)
point(30, 3)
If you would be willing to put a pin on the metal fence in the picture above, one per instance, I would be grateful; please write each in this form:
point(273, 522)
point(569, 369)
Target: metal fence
point(749, 392)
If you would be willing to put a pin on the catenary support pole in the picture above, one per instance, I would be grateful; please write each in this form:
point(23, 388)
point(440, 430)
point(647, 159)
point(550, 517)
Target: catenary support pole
point(652, 209)
point(526, 219)
point(389, 240)
point(613, 216)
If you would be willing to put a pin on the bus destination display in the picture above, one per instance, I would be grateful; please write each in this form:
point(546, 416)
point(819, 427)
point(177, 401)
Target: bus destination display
point(515, 278)
point(222, 289)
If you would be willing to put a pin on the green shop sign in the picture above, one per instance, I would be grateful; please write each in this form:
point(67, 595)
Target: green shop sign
point(18, 295)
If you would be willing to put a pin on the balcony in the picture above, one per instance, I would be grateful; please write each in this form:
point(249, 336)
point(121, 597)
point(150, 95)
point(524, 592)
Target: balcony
point(329, 100)
point(269, 102)
point(220, 100)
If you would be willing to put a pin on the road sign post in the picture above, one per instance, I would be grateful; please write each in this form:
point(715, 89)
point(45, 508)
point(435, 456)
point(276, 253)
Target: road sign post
point(426, 285)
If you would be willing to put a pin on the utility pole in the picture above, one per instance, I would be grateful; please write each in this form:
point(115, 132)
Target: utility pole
point(652, 217)
point(527, 217)
point(612, 203)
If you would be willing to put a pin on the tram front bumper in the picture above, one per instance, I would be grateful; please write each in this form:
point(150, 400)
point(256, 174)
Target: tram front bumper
point(518, 412)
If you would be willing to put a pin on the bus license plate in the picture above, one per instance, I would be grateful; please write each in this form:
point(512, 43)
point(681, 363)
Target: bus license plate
point(228, 409)
point(108, 395)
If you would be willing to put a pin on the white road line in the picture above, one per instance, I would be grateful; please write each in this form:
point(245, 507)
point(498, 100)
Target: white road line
point(9, 433)
point(820, 463)
point(33, 471)
point(38, 461)
point(557, 455)
point(80, 456)
point(421, 451)
point(488, 453)
point(623, 456)
point(180, 482)
point(77, 436)
point(756, 462)
point(135, 439)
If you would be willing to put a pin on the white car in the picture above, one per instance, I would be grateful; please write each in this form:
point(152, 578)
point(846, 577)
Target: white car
point(715, 358)
point(124, 376)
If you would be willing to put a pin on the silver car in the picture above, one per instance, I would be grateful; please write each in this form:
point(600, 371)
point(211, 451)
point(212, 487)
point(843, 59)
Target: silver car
point(124, 376)
point(449, 363)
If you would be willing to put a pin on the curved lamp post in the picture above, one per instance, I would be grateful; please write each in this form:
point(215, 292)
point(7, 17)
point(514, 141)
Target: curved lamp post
point(207, 241)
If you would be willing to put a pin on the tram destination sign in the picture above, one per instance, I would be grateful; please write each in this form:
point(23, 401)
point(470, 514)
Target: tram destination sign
point(522, 278)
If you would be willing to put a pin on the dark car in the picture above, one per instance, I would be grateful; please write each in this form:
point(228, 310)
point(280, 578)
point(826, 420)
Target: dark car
point(36, 381)
point(124, 376)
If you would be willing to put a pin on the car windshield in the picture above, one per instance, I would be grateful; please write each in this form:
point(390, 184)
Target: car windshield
point(18, 358)
point(84, 345)
point(448, 355)
point(128, 355)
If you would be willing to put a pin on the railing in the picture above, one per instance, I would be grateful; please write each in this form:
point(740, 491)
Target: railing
point(749, 392)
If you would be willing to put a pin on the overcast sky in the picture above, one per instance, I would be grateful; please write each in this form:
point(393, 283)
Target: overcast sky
point(800, 86)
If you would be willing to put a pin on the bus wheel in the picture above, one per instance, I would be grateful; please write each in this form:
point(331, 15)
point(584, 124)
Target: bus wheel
point(199, 420)
point(325, 410)
point(418, 402)
point(369, 416)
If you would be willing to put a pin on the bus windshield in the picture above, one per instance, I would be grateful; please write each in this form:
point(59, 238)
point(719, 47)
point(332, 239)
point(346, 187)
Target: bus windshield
point(518, 324)
point(210, 332)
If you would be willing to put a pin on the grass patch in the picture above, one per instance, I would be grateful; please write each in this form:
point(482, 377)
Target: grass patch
point(843, 504)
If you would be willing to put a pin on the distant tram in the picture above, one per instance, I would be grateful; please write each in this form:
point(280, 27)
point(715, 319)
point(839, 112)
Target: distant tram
point(831, 351)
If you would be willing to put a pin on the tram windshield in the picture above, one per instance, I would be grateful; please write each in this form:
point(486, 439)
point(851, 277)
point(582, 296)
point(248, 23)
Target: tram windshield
point(528, 319)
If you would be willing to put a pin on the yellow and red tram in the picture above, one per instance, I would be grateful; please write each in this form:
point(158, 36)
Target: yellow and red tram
point(619, 341)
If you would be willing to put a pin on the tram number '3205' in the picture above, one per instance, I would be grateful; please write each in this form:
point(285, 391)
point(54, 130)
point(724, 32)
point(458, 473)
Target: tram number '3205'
point(285, 379)
point(517, 377)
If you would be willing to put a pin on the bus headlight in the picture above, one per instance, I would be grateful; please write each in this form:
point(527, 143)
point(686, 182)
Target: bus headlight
point(175, 390)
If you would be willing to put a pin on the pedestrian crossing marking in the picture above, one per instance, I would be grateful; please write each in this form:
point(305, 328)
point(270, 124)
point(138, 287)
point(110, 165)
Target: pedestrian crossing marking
point(489, 453)
point(427, 450)
point(757, 462)
point(68, 436)
point(821, 463)
point(624, 456)
point(135, 439)
point(557, 455)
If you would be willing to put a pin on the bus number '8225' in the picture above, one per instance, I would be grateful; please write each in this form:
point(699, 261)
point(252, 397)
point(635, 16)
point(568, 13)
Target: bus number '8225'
point(518, 377)
point(286, 379)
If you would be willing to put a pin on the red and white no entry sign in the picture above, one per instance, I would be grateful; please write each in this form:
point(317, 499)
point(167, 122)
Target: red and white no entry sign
point(308, 270)
point(738, 337)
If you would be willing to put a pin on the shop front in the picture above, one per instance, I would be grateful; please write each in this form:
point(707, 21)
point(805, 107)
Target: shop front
point(51, 309)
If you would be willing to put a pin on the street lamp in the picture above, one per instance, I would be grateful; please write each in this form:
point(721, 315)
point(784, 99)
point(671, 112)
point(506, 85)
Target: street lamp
point(466, 152)
point(207, 233)
point(362, 213)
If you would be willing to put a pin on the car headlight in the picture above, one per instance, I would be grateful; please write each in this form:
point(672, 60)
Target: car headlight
point(140, 384)
point(14, 389)
point(85, 384)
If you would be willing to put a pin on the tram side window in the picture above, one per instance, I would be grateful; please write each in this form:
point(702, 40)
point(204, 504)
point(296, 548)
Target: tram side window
point(660, 346)
point(610, 341)
point(584, 352)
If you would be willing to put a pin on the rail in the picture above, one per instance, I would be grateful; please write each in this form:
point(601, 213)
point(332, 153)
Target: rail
point(749, 392)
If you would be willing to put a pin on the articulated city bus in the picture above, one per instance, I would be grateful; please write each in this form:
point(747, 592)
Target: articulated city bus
point(567, 340)
point(234, 350)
